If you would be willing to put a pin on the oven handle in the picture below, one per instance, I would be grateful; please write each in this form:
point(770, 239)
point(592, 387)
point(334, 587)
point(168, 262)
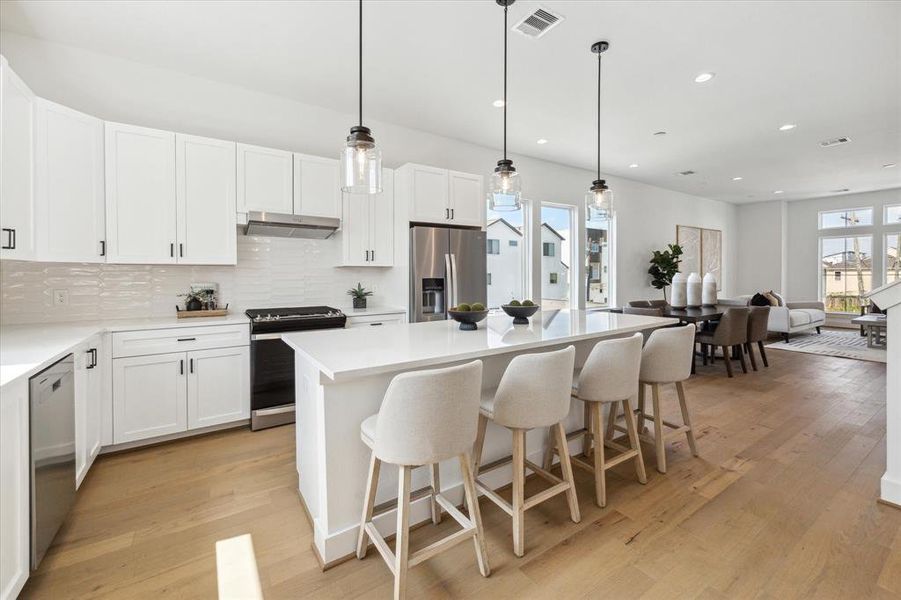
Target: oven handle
point(265, 336)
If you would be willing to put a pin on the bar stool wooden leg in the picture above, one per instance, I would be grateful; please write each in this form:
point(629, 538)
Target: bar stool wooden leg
point(634, 443)
point(641, 407)
point(659, 442)
point(372, 483)
point(475, 514)
point(611, 421)
point(686, 419)
point(519, 471)
point(402, 541)
point(566, 468)
point(436, 489)
point(479, 443)
point(548, 461)
point(597, 429)
point(586, 423)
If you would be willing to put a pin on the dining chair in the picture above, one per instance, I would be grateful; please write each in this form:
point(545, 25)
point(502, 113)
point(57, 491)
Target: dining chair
point(731, 335)
point(649, 312)
point(758, 319)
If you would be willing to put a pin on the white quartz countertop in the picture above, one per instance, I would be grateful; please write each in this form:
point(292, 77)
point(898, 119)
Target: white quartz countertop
point(26, 349)
point(348, 353)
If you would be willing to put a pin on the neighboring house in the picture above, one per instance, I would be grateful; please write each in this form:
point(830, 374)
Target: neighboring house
point(504, 247)
point(597, 269)
point(554, 272)
point(845, 280)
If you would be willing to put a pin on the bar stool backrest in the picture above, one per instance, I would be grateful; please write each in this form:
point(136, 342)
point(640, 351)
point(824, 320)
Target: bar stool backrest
point(535, 390)
point(429, 416)
point(667, 356)
point(610, 373)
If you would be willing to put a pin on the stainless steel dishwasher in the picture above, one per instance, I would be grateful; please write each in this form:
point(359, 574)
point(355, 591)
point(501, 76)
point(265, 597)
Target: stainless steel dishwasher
point(52, 399)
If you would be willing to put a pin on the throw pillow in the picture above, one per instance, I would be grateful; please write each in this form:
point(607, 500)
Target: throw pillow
point(760, 300)
point(774, 301)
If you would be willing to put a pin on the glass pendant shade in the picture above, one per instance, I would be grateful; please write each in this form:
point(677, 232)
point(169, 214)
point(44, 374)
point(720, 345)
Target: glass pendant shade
point(361, 163)
point(599, 201)
point(506, 188)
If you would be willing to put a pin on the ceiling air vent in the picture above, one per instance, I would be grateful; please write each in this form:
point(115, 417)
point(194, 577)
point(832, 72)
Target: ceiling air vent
point(538, 22)
point(835, 142)
point(689, 172)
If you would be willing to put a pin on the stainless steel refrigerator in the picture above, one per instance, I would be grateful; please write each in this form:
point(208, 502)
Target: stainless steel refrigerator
point(447, 266)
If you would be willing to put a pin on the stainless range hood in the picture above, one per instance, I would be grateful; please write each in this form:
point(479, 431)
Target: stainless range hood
point(295, 226)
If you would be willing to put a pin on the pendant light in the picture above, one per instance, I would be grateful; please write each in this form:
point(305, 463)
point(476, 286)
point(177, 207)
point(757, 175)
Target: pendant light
point(506, 187)
point(361, 159)
point(599, 199)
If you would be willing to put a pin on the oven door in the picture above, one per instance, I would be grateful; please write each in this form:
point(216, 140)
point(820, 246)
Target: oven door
point(271, 381)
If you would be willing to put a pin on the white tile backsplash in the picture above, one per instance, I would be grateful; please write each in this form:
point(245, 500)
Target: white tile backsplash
point(270, 272)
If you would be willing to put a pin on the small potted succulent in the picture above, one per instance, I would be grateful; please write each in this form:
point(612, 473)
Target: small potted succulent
point(359, 295)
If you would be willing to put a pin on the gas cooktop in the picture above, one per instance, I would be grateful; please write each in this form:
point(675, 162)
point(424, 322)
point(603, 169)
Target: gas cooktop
point(295, 318)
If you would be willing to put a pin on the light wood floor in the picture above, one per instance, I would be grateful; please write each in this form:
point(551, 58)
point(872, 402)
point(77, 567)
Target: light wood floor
point(781, 504)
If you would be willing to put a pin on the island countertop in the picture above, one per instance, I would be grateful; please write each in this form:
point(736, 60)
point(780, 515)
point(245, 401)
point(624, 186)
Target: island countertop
point(342, 354)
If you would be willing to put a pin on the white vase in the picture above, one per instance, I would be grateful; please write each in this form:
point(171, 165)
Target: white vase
point(708, 292)
point(693, 292)
point(678, 291)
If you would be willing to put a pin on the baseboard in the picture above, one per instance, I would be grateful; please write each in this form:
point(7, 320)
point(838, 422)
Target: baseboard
point(172, 437)
point(890, 491)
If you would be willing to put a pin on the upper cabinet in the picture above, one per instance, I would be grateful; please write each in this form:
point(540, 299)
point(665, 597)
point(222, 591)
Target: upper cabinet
point(17, 219)
point(317, 191)
point(265, 180)
point(140, 195)
point(442, 197)
point(69, 194)
point(205, 180)
point(367, 231)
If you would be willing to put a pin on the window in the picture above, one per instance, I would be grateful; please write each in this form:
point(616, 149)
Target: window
point(892, 214)
point(557, 229)
point(494, 246)
point(489, 278)
point(507, 271)
point(892, 257)
point(846, 217)
point(513, 243)
point(597, 259)
point(846, 272)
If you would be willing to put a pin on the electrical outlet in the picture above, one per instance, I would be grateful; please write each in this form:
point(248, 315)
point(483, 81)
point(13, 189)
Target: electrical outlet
point(60, 297)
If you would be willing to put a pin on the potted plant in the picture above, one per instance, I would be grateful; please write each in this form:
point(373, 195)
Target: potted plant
point(359, 294)
point(665, 264)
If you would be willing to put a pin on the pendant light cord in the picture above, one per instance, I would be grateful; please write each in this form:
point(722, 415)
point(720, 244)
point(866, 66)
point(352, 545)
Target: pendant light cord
point(505, 83)
point(599, 115)
point(361, 64)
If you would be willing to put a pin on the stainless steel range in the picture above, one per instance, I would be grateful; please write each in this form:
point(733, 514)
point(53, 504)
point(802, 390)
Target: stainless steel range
point(272, 361)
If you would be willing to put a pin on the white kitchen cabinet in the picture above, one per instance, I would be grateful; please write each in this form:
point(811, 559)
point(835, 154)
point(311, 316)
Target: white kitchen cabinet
point(17, 218)
point(440, 196)
point(140, 195)
point(69, 182)
point(265, 180)
point(149, 396)
point(89, 397)
point(375, 320)
point(218, 386)
point(206, 201)
point(317, 192)
point(368, 226)
point(15, 490)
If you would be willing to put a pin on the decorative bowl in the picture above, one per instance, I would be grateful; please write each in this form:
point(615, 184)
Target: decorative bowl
point(520, 314)
point(468, 319)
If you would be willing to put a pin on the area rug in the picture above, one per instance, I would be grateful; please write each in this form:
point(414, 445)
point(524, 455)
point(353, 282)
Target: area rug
point(845, 344)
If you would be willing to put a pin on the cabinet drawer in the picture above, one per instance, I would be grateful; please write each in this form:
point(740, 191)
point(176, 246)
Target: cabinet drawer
point(376, 320)
point(182, 339)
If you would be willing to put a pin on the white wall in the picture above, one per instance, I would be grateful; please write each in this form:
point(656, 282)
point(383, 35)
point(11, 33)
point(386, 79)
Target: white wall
point(120, 90)
point(760, 249)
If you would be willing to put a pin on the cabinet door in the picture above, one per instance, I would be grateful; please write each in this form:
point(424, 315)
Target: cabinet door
point(428, 195)
point(317, 192)
point(218, 386)
point(83, 360)
point(96, 394)
point(205, 176)
point(265, 180)
point(467, 202)
point(140, 195)
point(16, 165)
point(355, 230)
point(149, 396)
point(15, 507)
point(71, 220)
point(381, 223)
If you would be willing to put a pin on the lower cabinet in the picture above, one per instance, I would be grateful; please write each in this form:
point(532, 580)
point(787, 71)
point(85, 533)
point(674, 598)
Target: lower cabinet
point(375, 320)
point(15, 489)
point(162, 394)
point(90, 366)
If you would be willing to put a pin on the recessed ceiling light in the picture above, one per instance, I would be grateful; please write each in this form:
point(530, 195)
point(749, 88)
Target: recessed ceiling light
point(498, 104)
point(633, 166)
point(889, 165)
point(787, 126)
point(777, 192)
point(541, 141)
point(737, 178)
point(659, 133)
point(704, 77)
point(840, 190)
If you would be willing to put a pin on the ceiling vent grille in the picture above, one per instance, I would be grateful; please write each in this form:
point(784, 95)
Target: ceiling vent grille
point(689, 172)
point(538, 22)
point(835, 142)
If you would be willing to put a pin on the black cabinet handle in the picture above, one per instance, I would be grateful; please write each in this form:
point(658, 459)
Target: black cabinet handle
point(452, 214)
point(181, 249)
point(10, 240)
point(181, 367)
point(94, 357)
point(375, 324)
point(172, 249)
point(373, 255)
point(193, 339)
point(367, 256)
point(102, 247)
point(447, 213)
point(90, 364)
point(191, 364)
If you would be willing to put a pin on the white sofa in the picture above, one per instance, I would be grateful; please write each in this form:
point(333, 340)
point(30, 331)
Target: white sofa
point(788, 317)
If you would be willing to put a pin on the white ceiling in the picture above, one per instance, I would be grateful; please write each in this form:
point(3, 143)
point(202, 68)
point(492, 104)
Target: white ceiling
point(832, 67)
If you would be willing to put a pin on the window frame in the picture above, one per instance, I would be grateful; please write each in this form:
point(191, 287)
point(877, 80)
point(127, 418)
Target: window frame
point(821, 279)
point(491, 245)
point(544, 249)
point(885, 247)
point(885, 221)
point(821, 227)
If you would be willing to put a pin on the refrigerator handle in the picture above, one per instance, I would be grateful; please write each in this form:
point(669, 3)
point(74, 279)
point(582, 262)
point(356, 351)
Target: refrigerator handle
point(448, 284)
point(453, 258)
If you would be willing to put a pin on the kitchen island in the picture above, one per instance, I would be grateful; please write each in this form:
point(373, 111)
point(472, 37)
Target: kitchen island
point(341, 378)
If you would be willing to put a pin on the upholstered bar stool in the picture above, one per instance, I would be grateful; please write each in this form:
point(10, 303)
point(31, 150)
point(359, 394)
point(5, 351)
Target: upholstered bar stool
point(666, 359)
point(758, 319)
point(533, 392)
point(426, 417)
point(609, 376)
